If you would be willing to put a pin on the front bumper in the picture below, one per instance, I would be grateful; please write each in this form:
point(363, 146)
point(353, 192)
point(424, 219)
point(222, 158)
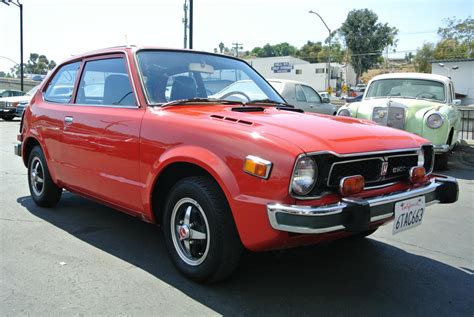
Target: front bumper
point(441, 148)
point(7, 111)
point(17, 149)
point(357, 214)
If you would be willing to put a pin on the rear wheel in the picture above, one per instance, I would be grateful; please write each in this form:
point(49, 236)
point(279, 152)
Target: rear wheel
point(199, 230)
point(43, 190)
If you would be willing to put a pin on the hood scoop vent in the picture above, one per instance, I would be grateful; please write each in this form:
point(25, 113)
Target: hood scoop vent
point(232, 120)
point(248, 109)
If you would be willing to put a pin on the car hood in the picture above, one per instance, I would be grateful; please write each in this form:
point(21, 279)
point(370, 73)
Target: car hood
point(310, 132)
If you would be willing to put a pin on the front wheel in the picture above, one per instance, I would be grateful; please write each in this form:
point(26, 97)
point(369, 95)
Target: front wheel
point(43, 190)
point(199, 230)
point(8, 117)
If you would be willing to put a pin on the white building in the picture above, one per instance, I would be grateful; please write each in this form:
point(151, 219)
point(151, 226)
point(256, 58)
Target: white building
point(314, 74)
point(462, 76)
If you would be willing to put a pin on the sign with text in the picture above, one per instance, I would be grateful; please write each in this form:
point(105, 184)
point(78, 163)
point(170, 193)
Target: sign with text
point(282, 67)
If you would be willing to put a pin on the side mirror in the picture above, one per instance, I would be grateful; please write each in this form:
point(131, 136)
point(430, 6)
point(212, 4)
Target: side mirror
point(457, 102)
point(326, 100)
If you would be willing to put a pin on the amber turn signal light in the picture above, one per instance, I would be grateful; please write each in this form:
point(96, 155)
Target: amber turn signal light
point(256, 166)
point(351, 185)
point(417, 174)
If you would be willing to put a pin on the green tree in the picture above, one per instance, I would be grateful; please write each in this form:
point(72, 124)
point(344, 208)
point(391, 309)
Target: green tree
point(310, 51)
point(459, 30)
point(423, 57)
point(37, 64)
point(2, 74)
point(281, 49)
point(337, 53)
point(366, 38)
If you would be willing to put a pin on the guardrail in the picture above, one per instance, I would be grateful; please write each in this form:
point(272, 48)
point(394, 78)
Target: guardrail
point(467, 123)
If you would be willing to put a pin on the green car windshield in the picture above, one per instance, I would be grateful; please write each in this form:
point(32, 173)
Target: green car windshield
point(181, 75)
point(407, 88)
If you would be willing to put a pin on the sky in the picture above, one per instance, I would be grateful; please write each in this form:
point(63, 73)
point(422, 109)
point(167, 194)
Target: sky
point(61, 28)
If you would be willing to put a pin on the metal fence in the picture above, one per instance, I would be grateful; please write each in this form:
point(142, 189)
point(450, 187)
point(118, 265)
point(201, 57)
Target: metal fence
point(467, 123)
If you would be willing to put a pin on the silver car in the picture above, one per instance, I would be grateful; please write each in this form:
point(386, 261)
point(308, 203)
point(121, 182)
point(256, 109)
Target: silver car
point(302, 96)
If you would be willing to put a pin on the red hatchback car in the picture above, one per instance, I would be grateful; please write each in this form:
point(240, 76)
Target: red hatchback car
point(140, 129)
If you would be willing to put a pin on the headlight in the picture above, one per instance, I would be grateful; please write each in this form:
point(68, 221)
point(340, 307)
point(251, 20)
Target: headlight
point(8, 104)
point(434, 121)
point(344, 113)
point(304, 176)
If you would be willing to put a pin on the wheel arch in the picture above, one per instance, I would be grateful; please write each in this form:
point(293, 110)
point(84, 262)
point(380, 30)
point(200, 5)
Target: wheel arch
point(177, 164)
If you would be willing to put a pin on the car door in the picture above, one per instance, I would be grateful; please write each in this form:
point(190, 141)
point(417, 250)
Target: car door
point(100, 151)
point(48, 114)
point(315, 102)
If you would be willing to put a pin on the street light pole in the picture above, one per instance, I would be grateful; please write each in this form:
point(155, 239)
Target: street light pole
point(329, 47)
point(191, 24)
point(19, 5)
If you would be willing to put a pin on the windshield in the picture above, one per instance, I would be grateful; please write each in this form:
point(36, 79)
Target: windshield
point(407, 88)
point(175, 75)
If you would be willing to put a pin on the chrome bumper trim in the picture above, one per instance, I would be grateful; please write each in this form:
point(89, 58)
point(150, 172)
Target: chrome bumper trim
point(17, 149)
point(303, 213)
point(441, 148)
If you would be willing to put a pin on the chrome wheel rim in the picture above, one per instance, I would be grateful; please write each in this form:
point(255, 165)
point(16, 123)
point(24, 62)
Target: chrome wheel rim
point(37, 176)
point(190, 231)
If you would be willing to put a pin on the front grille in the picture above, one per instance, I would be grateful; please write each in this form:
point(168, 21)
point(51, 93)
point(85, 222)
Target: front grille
point(2, 104)
point(397, 167)
point(400, 165)
point(368, 168)
point(389, 116)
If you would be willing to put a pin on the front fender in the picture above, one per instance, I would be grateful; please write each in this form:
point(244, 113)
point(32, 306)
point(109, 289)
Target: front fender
point(199, 156)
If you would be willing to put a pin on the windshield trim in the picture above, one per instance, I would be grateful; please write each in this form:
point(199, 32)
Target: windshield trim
point(142, 81)
point(406, 97)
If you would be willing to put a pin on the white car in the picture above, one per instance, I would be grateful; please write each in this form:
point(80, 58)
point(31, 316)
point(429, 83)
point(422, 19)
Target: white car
point(302, 96)
point(9, 105)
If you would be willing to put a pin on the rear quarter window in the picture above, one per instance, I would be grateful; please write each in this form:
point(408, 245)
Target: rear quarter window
point(61, 87)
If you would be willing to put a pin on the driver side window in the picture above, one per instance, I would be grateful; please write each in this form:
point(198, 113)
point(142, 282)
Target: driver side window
point(105, 82)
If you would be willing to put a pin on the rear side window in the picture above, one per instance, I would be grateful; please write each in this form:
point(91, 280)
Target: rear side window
point(299, 93)
point(61, 86)
point(105, 82)
point(311, 95)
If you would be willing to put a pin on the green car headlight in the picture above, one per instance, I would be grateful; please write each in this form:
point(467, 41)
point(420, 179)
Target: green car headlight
point(344, 112)
point(434, 120)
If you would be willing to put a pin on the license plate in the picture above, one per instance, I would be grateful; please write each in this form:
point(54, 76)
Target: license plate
point(408, 214)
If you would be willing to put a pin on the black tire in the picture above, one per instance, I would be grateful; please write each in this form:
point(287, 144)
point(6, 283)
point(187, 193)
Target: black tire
point(8, 118)
point(441, 161)
point(44, 192)
point(361, 235)
point(206, 259)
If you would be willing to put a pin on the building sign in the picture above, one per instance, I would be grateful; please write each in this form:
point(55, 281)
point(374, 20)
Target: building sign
point(282, 67)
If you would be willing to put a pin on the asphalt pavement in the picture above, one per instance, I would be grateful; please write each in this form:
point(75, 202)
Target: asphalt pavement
point(82, 258)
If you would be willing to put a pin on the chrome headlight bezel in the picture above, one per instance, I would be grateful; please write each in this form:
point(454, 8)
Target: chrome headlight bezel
point(297, 186)
point(345, 112)
point(435, 123)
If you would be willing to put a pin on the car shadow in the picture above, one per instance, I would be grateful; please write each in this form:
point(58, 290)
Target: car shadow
point(361, 277)
point(461, 163)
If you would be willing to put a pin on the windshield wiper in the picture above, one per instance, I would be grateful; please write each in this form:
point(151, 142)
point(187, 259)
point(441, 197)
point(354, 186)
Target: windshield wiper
point(200, 100)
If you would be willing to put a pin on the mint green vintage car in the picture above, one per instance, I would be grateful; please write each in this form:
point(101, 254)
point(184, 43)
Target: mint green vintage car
point(423, 104)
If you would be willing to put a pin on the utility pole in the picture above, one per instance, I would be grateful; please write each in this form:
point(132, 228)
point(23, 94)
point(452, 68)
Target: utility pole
point(329, 46)
point(190, 24)
point(237, 46)
point(185, 22)
point(19, 5)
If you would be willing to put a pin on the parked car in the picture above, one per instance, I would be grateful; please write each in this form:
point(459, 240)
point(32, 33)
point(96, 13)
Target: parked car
point(9, 105)
point(423, 104)
point(303, 96)
point(10, 93)
point(218, 175)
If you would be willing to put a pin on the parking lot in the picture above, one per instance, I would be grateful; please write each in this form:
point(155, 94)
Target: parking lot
point(85, 258)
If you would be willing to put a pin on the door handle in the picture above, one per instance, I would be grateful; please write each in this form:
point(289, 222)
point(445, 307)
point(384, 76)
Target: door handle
point(68, 120)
